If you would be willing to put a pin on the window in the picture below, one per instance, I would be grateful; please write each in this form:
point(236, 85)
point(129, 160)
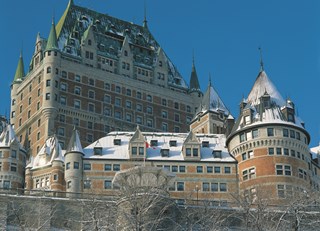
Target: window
point(63, 86)
point(149, 110)
point(177, 117)
point(223, 187)
point(118, 102)
point(292, 134)
point(76, 165)
point(216, 153)
point(61, 131)
point(63, 100)
point(209, 169)
point(205, 144)
point(77, 78)
point(199, 169)
point(270, 131)
point(176, 105)
point(180, 186)
point(217, 169)
point(188, 108)
point(247, 119)
point(91, 94)
point(118, 89)
point(286, 152)
point(249, 174)
point(13, 167)
point(47, 96)
point(49, 70)
point(214, 187)
point(182, 168)
point(244, 156)
point(6, 184)
point(141, 151)
point(55, 177)
point(298, 136)
point(242, 137)
point(279, 151)
point(77, 104)
point(205, 187)
point(302, 174)
point(62, 118)
point(188, 151)
point(164, 114)
point(67, 165)
point(150, 123)
point(86, 166)
point(139, 95)
point(164, 102)
point(174, 168)
point(107, 184)
point(149, 98)
point(91, 82)
point(69, 184)
point(227, 170)
point(91, 107)
point(283, 170)
point(285, 132)
point(293, 153)
point(271, 151)
point(116, 167)
point(255, 133)
point(164, 152)
point(164, 127)
point(14, 154)
point(195, 152)
point(107, 167)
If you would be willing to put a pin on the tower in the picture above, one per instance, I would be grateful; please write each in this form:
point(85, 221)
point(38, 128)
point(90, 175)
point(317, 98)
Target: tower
point(73, 165)
point(12, 160)
point(270, 144)
point(212, 116)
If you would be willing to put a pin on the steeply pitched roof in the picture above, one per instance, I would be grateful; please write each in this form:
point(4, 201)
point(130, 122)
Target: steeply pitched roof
point(8, 136)
point(261, 86)
point(74, 143)
point(194, 82)
point(20, 70)
point(211, 101)
point(52, 39)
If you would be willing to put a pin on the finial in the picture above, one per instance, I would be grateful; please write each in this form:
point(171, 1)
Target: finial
point(209, 79)
point(261, 61)
point(193, 56)
point(145, 25)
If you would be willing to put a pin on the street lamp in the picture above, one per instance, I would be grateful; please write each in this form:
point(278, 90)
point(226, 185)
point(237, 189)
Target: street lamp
point(197, 190)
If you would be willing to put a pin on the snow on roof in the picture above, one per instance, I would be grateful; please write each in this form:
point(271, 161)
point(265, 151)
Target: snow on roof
point(211, 101)
point(50, 151)
point(111, 151)
point(8, 136)
point(264, 85)
point(315, 152)
point(74, 143)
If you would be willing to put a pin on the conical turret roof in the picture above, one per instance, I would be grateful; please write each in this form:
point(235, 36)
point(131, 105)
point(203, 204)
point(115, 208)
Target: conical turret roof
point(52, 39)
point(262, 86)
point(74, 143)
point(20, 70)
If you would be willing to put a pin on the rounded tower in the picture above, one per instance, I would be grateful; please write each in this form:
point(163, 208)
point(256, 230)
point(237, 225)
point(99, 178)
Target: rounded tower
point(12, 160)
point(73, 165)
point(270, 144)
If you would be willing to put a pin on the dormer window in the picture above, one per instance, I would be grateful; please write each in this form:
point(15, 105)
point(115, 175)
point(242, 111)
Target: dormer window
point(154, 143)
point(290, 117)
point(117, 141)
point(247, 119)
point(173, 143)
point(205, 144)
point(97, 151)
point(164, 152)
point(216, 153)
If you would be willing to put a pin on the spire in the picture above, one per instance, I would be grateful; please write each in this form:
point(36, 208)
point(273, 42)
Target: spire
point(261, 61)
point(63, 18)
point(52, 39)
point(20, 70)
point(194, 82)
point(38, 38)
point(209, 79)
point(145, 22)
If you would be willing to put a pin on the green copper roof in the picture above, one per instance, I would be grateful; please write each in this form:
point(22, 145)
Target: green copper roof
point(194, 82)
point(63, 18)
point(20, 70)
point(52, 40)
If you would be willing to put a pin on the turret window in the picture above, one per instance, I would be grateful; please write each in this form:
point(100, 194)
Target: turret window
point(285, 132)
point(292, 134)
point(249, 174)
point(76, 165)
point(283, 170)
point(13, 167)
point(270, 131)
point(14, 154)
point(67, 165)
point(49, 69)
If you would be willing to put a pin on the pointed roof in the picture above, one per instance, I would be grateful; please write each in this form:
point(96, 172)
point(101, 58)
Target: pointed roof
point(191, 138)
point(20, 70)
point(262, 86)
point(74, 143)
point(137, 136)
point(8, 136)
point(63, 18)
point(211, 101)
point(194, 82)
point(52, 39)
point(145, 22)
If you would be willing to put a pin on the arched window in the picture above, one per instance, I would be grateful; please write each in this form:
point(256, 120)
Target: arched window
point(48, 70)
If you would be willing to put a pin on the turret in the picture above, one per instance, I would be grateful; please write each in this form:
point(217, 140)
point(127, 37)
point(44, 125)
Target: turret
point(73, 165)
point(270, 144)
point(13, 160)
point(194, 82)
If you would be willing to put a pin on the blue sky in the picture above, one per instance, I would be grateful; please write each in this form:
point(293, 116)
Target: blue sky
point(225, 36)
